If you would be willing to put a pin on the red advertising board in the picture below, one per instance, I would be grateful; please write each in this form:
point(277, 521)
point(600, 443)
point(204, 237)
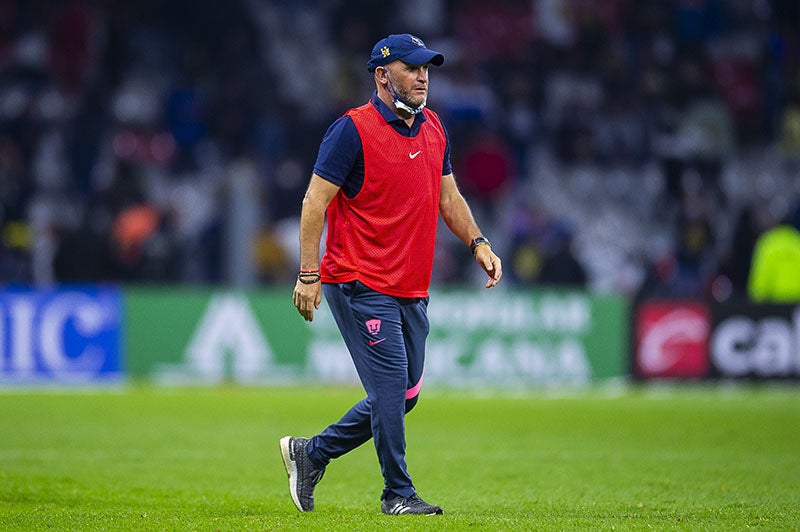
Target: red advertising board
point(671, 339)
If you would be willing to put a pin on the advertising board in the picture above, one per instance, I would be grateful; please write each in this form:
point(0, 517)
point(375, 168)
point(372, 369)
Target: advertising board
point(60, 335)
point(495, 338)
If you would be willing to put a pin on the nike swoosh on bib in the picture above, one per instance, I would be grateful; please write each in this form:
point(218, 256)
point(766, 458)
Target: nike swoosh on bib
point(412, 155)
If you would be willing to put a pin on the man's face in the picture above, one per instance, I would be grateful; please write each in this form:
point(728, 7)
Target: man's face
point(410, 82)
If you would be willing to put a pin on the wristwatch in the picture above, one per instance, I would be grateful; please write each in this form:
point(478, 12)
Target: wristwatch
point(480, 241)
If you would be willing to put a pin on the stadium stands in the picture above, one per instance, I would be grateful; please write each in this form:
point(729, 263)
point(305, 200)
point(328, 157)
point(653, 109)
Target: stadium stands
point(645, 144)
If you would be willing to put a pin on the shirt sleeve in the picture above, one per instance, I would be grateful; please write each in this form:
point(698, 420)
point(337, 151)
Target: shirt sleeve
point(447, 168)
point(338, 151)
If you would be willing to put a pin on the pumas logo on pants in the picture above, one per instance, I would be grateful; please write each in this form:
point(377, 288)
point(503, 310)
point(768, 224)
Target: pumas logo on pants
point(373, 326)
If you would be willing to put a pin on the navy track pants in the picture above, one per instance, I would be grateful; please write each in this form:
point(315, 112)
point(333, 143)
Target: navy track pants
point(386, 338)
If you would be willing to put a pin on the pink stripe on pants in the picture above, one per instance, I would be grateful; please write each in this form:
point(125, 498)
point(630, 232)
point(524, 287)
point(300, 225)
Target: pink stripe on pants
point(413, 392)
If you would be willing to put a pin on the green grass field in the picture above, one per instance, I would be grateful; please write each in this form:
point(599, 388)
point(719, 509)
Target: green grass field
point(207, 459)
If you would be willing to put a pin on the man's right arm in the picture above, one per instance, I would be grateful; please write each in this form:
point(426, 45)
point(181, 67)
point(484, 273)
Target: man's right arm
point(338, 154)
point(320, 192)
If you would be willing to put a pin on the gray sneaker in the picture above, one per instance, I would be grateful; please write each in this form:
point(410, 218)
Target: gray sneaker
point(411, 505)
point(303, 476)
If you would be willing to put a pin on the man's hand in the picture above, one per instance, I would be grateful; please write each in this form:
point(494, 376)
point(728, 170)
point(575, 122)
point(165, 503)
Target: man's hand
point(306, 298)
point(490, 263)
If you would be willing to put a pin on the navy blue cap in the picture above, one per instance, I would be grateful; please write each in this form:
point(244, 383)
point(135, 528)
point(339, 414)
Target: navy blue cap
point(404, 47)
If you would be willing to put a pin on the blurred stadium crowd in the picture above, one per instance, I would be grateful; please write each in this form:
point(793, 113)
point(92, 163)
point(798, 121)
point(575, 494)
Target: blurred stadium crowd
point(621, 145)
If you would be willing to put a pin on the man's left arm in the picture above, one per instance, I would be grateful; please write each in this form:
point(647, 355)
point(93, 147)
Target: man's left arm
point(458, 217)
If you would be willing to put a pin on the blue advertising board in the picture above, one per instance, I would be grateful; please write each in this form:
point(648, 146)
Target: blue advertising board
point(67, 335)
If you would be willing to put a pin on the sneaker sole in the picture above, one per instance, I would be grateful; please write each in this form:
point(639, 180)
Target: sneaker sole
point(405, 512)
point(291, 470)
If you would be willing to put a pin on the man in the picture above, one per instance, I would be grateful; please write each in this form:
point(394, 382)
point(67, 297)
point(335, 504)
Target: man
point(383, 175)
point(775, 270)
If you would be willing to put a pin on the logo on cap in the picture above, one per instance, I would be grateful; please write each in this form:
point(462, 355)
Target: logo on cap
point(417, 41)
point(385, 51)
